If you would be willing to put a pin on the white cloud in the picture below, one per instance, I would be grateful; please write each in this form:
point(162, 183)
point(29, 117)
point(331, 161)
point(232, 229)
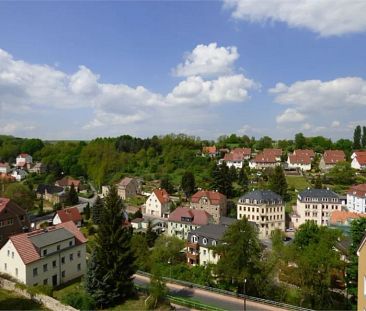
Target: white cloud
point(208, 60)
point(335, 124)
point(290, 115)
point(325, 17)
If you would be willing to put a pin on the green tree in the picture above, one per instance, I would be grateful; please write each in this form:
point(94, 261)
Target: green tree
point(363, 139)
point(318, 182)
point(87, 211)
point(40, 206)
point(166, 184)
point(141, 251)
point(357, 137)
point(278, 182)
point(188, 184)
point(342, 173)
point(72, 196)
point(21, 195)
point(151, 236)
point(233, 174)
point(300, 141)
point(243, 180)
point(97, 210)
point(264, 142)
point(240, 253)
point(109, 278)
point(221, 180)
point(167, 249)
point(157, 290)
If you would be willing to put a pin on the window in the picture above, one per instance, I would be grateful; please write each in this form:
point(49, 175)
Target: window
point(54, 264)
point(63, 273)
point(35, 271)
point(58, 247)
point(12, 254)
point(213, 242)
point(204, 252)
point(79, 266)
point(44, 252)
point(204, 241)
point(5, 266)
point(8, 253)
point(45, 281)
point(194, 239)
point(62, 260)
point(79, 253)
point(45, 268)
point(70, 243)
point(16, 271)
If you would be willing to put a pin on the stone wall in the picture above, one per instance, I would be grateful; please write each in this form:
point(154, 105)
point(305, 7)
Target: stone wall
point(47, 301)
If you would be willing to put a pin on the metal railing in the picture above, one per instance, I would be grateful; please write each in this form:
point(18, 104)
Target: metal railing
point(230, 293)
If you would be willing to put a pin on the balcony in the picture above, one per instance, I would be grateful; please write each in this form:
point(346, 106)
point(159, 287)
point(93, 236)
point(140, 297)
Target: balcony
point(193, 246)
point(193, 256)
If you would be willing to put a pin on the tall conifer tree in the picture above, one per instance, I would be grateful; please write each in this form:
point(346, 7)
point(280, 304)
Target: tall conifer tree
point(357, 138)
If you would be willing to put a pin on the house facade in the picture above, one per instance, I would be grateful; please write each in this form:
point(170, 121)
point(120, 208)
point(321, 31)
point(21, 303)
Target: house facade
point(265, 208)
point(67, 181)
point(38, 168)
point(264, 160)
point(67, 214)
point(4, 168)
point(236, 157)
point(213, 202)
point(51, 256)
point(356, 198)
point(51, 193)
point(13, 219)
point(315, 205)
point(358, 160)
point(128, 187)
point(210, 151)
point(300, 159)
point(361, 286)
point(330, 158)
point(158, 204)
point(183, 220)
point(23, 160)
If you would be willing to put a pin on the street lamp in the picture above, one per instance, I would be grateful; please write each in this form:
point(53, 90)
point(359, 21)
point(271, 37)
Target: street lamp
point(170, 268)
point(245, 299)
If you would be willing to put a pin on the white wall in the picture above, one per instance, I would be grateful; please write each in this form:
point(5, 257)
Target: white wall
point(356, 204)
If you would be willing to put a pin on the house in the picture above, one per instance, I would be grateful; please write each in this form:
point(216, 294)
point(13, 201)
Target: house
point(183, 220)
point(316, 205)
point(4, 168)
point(51, 193)
point(210, 151)
point(304, 152)
point(361, 286)
point(51, 256)
point(264, 160)
point(356, 198)
point(23, 160)
point(358, 160)
point(273, 151)
point(344, 218)
point(19, 174)
point(330, 158)
point(67, 214)
point(67, 181)
point(300, 161)
point(13, 219)
point(158, 204)
point(265, 208)
point(128, 187)
point(38, 168)
point(213, 202)
point(141, 224)
point(236, 157)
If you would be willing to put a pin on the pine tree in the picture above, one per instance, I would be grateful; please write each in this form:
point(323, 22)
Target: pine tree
point(87, 211)
point(357, 138)
point(166, 184)
point(96, 211)
point(188, 184)
point(221, 180)
point(151, 236)
point(72, 197)
point(243, 180)
point(278, 182)
point(233, 173)
point(109, 278)
point(363, 139)
point(40, 207)
point(318, 183)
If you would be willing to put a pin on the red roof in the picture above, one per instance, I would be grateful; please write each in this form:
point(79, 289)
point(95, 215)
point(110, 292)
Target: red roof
point(3, 203)
point(209, 149)
point(334, 156)
point(214, 196)
point(23, 155)
point(342, 216)
point(198, 217)
point(304, 152)
point(273, 151)
point(243, 151)
point(162, 195)
point(67, 214)
point(67, 182)
point(359, 153)
point(12, 206)
point(299, 159)
point(233, 157)
point(27, 250)
point(265, 158)
point(357, 190)
point(361, 159)
point(4, 164)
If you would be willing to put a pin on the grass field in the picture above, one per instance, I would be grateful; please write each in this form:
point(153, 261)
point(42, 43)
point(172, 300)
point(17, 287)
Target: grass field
point(297, 182)
point(11, 301)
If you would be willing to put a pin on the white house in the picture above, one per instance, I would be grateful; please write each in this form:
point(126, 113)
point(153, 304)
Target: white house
point(358, 160)
point(67, 214)
point(356, 198)
point(158, 204)
point(19, 174)
point(4, 168)
point(51, 256)
point(299, 161)
point(23, 159)
point(236, 157)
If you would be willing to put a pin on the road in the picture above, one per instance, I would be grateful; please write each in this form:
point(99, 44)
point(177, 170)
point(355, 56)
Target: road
point(210, 298)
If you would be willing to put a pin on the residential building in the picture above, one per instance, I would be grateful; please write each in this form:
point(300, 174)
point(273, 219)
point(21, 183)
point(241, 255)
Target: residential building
point(128, 187)
point(13, 220)
point(210, 151)
point(305, 152)
point(183, 220)
point(67, 214)
point(265, 208)
point(51, 193)
point(264, 160)
point(330, 158)
point(158, 204)
point(356, 198)
point(4, 168)
point(213, 202)
point(236, 157)
point(273, 151)
point(316, 205)
point(38, 168)
point(344, 218)
point(299, 161)
point(23, 160)
point(358, 160)
point(67, 181)
point(19, 174)
point(361, 286)
point(51, 256)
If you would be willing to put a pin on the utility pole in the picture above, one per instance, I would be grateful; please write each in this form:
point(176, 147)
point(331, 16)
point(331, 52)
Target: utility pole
point(245, 298)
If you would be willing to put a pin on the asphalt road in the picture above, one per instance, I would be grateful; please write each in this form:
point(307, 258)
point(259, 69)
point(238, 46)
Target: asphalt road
point(210, 298)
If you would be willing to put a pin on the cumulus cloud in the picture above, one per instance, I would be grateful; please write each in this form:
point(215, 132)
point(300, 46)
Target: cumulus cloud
point(208, 60)
point(325, 17)
point(290, 115)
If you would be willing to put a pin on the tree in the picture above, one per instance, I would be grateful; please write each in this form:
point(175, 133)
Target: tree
point(221, 180)
point(157, 290)
point(278, 182)
point(167, 249)
point(233, 173)
point(188, 184)
point(96, 211)
point(150, 235)
point(318, 182)
point(240, 254)
point(109, 277)
point(166, 184)
point(141, 251)
point(243, 180)
point(357, 138)
point(363, 139)
point(21, 195)
point(342, 173)
point(40, 206)
point(300, 141)
point(72, 196)
point(87, 211)
point(264, 142)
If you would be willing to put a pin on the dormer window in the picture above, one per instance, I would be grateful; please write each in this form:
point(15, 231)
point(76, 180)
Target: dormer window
point(194, 239)
point(213, 242)
point(44, 252)
point(204, 241)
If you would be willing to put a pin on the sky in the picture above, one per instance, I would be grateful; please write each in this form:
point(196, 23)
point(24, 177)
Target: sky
point(81, 70)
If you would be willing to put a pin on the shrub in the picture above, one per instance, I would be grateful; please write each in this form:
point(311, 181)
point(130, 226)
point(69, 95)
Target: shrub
point(41, 289)
point(79, 300)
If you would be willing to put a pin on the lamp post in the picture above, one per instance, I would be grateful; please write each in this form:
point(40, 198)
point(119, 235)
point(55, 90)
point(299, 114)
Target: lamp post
point(170, 268)
point(245, 298)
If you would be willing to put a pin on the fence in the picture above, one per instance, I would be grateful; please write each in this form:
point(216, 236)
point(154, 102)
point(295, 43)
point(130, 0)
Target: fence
point(229, 293)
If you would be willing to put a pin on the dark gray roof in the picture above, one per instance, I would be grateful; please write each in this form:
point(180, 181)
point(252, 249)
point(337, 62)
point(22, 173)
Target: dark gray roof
point(262, 196)
point(227, 221)
point(318, 193)
point(211, 232)
point(41, 189)
point(51, 237)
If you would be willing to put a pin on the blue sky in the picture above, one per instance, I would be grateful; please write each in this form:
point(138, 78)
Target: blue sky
point(78, 70)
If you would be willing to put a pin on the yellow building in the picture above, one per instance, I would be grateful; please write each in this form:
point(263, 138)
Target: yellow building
point(361, 291)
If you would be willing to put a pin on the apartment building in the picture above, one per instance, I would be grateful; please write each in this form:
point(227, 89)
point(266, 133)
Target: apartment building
point(356, 198)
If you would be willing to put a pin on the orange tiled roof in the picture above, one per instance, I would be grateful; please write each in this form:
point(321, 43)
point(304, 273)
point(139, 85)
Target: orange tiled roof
point(213, 196)
point(305, 152)
point(273, 151)
point(199, 217)
point(209, 149)
point(299, 159)
point(67, 214)
point(162, 195)
point(334, 156)
point(343, 216)
point(265, 158)
point(357, 190)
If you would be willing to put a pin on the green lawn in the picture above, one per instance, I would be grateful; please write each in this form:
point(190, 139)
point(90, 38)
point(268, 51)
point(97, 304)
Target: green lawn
point(297, 182)
point(70, 288)
point(12, 301)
